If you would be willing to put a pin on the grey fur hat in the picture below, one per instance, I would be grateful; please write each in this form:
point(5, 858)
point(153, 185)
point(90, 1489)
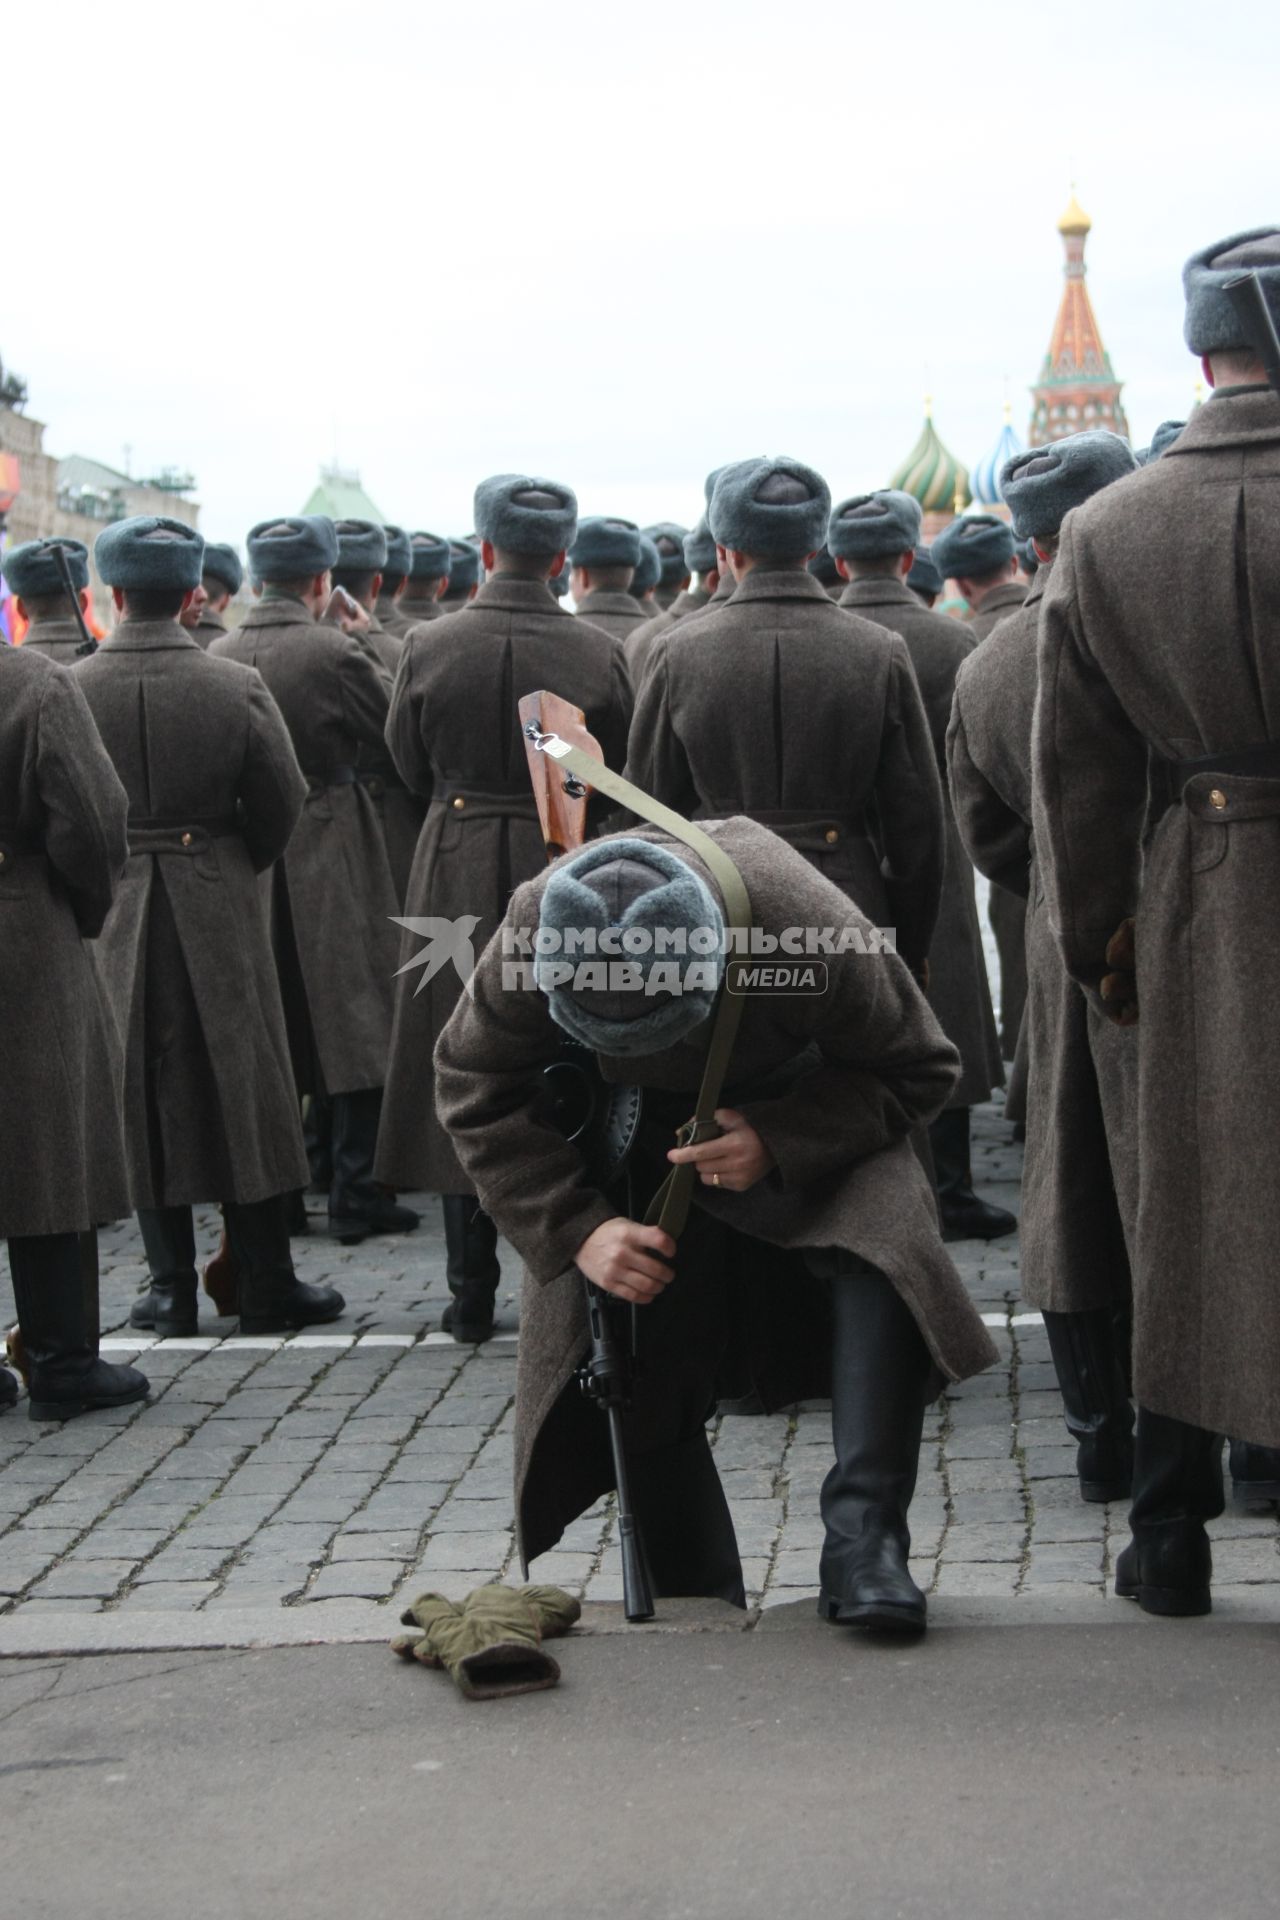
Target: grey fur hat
point(399, 562)
point(774, 508)
point(150, 552)
point(603, 541)
point(1041, 486)
point(31, 570)
point(1210, 325)
point(648, 572)
point(464, 566)
point(1163, 437)
point(519, 513)
point(223, 562)
point(293, 547)
point(972, 546)
point(431, 555)
point(924, 576)
point(668, 538)
point(362, 545)
point(634, 888)
point(1028, 558)
point(824, 569)
point(871, 526)
point(700, 549)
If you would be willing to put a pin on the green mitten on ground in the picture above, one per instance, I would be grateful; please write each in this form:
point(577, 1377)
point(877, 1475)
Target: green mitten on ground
point(491, 1642)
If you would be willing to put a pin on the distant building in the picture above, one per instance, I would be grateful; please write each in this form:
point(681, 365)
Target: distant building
point(340, 495)
point(932, 475)
point(76, 497)
point(987, 492)
point(1077, 386)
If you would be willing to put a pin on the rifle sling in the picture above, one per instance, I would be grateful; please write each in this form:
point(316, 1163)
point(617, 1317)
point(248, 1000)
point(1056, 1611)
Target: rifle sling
point(669, 1208)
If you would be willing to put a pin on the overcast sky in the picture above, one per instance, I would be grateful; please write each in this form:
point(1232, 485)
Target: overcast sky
point(616, 247)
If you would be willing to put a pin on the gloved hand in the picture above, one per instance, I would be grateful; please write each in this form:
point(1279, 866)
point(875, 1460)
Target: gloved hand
point(491, 1642)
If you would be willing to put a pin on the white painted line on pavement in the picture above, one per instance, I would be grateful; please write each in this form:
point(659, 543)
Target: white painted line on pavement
point(386, 1340)
point(323, 1340)
point(1027, 1320)
point(437, 1340)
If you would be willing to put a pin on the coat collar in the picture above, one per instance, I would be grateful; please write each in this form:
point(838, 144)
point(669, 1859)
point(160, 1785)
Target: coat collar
point(149, 636)
point(1234, 417)
point(886, 592)
point(509, 594)
point(281, 610)
point(611, 600)
point(211, 623)
point(790, 583)
point(54, 630)
point(1039, 581)
point(1011, 594)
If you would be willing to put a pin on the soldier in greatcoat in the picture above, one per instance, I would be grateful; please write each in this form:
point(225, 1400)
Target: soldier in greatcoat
point(35, 580)
point(872, 539)
point(811, 1263)
point(333, 900)
point(782, 706)
point(363, 549)
point(1079, 1185)
point(923, 577)
point(454, 733)
point(704, 578)
point(429, 559)
point(604, 558)
point(1156, 800)
point(223, 576)
point(645, 579)
point(397, 569)
point(669, 538)
point(214, 793)
point(464, 576)
point(976, 551)
point(63, 1170)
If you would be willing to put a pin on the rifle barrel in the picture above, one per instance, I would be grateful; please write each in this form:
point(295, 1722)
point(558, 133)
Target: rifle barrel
point(1251, 309)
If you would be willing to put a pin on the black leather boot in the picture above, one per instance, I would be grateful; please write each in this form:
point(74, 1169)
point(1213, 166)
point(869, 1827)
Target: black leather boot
point(1255, 1474)
point(169, 1304)
point(1095, 1398)
point(1177, 1486)
point(683, 1519)
point(879, 1378)
point(272, 1298)
point(317, 1138)
point(471, 1246)
point(8, 1389)
point(358, 1206)
point(964, 1216)
point(66, 1376)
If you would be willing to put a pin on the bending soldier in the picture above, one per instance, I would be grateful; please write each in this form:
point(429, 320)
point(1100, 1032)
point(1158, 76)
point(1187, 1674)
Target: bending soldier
point(811, 1261)
point(214, 793)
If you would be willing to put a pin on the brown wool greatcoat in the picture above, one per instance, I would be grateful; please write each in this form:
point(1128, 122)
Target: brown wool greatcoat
point(783, 706)
point(62, 837)
point(1080, 1171)
point(958, 989)
point(616, 614)
point(211, 627)
point(455, 736)
point(392, 618)
point(638, 644)
point(214, 792)
point(401, 812)
point(865, 1062)
point(333, 898)
point(58, 637)
point(1188, 671)
point(998, 605)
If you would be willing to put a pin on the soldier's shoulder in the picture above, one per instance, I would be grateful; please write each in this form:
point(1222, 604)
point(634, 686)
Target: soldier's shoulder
point(28, 665)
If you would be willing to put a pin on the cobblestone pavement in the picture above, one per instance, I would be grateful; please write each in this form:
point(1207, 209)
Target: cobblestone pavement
point(364, 1464)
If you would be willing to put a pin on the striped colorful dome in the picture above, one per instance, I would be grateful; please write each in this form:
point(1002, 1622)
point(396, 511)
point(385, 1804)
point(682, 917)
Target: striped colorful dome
point(986, 475)
point(932, 475)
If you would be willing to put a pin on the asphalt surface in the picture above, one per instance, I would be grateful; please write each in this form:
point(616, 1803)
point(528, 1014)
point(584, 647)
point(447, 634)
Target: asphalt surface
point(1124, 1768)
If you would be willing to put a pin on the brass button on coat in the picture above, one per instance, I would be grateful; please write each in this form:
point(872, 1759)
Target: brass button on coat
point(1217, 798)
point(186, 839)
point(459, 802)
point(832, 836)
